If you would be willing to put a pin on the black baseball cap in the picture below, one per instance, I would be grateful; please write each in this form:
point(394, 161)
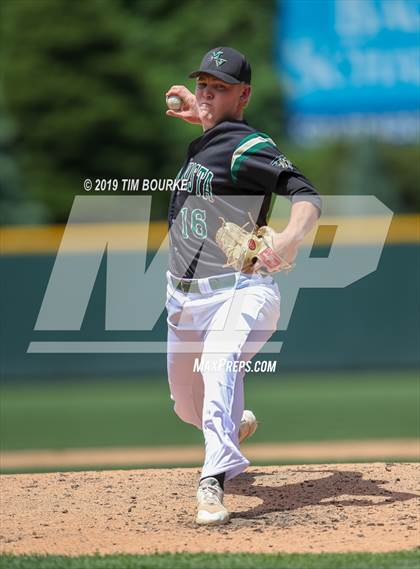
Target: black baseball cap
point(226, 64)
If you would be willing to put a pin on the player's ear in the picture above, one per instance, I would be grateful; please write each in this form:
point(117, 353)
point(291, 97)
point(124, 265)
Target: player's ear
point(245, 95)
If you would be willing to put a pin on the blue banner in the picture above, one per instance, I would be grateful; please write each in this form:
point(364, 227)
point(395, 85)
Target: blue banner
point(351, 66)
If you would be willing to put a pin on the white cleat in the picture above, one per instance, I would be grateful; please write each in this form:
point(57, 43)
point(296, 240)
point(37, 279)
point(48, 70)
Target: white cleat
point(248, 425)
point(210, 508)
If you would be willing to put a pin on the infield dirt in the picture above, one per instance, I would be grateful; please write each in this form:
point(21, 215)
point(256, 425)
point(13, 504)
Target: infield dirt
point(316, 508)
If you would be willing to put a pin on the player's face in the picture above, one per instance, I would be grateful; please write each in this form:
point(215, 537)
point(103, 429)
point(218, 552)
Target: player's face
point(218, 101)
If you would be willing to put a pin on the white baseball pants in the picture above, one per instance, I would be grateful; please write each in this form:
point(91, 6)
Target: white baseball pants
point(216, 329)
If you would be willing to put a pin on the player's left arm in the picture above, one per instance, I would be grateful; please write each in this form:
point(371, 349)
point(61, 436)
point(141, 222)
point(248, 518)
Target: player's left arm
point(257, 164)
point(305, 211)
point(303, 218)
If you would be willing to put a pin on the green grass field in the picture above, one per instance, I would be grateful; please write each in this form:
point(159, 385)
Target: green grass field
point(397, 560)
point(298, 407)
point(304, 407)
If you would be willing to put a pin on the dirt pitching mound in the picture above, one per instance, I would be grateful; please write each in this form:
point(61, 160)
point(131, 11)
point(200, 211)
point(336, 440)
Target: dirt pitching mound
point(316, 508)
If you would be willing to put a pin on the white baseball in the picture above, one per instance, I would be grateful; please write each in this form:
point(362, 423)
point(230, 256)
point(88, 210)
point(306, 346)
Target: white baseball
point(174, 102)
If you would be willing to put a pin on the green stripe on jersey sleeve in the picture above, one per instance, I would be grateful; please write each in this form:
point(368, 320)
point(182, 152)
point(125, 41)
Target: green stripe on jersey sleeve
point(247, 146)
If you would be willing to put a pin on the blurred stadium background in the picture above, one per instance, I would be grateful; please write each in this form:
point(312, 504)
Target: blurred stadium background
point(335, 83)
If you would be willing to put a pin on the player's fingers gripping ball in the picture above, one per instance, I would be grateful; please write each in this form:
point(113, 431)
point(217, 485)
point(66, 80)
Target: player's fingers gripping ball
point(174, 103)
point(244, 248)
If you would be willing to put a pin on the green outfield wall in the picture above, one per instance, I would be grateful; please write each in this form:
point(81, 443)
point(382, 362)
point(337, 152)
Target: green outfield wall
point(373, 323)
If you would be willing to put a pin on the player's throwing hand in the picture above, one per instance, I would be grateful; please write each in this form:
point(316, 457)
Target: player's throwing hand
point(189, 110)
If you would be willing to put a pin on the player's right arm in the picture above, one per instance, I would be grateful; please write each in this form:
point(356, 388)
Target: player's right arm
point(189, 110)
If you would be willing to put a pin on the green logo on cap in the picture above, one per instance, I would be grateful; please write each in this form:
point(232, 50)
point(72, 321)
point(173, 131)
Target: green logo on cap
point(216, 56)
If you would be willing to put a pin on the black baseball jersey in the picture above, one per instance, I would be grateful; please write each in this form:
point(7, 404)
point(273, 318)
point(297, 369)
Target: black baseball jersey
point(230, 172)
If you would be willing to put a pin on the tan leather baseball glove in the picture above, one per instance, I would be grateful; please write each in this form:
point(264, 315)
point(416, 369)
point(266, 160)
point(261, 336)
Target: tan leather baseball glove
point(244, 248)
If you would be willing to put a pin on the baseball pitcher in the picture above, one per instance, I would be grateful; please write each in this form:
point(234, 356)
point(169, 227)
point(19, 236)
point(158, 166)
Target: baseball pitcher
point(222, 302)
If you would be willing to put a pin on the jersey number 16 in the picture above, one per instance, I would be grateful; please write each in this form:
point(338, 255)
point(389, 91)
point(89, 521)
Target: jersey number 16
point(197, 223)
